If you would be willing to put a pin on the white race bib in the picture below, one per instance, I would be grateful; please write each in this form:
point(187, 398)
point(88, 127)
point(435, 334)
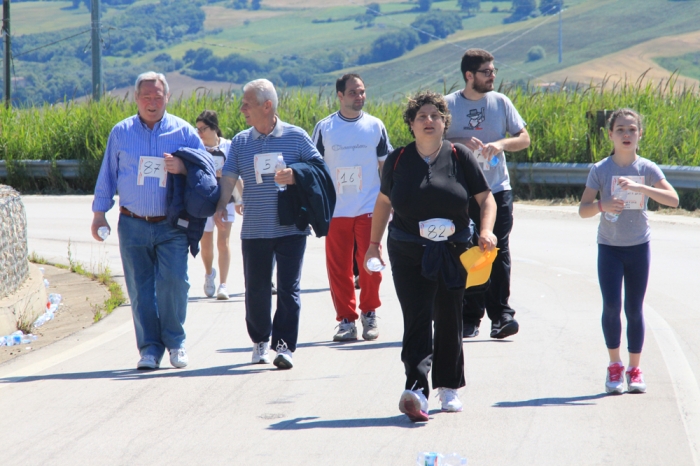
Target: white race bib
point(153, 167)
point(436, 229)
point(482, 161)
point(633, 201)
point(218, 162)
point(265, 164)
point(348, 176)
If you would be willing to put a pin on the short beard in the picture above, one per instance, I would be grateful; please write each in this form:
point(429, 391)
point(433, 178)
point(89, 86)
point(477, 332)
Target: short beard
point(482, 88)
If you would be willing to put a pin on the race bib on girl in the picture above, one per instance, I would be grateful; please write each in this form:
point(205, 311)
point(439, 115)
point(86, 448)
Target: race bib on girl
point(436, 229)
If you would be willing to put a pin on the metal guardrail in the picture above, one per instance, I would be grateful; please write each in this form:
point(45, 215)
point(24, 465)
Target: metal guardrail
point(526, 173)
point(69, 169)
point(577, 173)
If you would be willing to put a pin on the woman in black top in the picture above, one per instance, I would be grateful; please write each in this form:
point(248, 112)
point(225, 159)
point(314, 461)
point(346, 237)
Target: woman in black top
point(428, 184)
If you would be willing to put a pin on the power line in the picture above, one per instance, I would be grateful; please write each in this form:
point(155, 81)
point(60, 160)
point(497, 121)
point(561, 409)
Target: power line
point(49, 44)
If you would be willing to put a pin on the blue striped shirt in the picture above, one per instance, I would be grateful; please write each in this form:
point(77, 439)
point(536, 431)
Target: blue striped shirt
point(129, 140)
point(260, 219)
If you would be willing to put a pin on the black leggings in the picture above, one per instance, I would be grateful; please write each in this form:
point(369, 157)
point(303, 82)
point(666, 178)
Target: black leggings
point(422, 302)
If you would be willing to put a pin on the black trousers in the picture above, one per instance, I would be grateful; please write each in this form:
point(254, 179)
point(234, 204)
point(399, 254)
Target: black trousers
point(422, 302)
point(494, 300)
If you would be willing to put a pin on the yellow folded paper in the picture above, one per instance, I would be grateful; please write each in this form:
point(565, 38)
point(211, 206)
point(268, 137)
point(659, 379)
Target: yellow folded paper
point(478, 265)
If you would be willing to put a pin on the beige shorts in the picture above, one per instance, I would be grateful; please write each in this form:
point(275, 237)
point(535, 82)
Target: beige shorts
point(230, 208)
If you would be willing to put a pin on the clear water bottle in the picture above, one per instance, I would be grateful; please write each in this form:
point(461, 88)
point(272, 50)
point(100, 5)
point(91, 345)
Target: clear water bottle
point(103, 232)
point(429, 458)
point(375, 265)
point(620, 194)
point(280, 165)
point(494, 161)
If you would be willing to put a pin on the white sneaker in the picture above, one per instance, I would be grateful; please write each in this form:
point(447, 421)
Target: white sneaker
point(284, 356)
point(635, 380)
point(222, 294)
point(414, 405)
point(369, 325)
point(147, 362)
point(261, 354)
point(450, 400)
point(614, 381)
point(178, 358)
point(209, 284)
point(347, 331)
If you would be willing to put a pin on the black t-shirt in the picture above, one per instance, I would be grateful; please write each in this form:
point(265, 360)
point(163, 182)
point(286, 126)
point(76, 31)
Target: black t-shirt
point(418, 192)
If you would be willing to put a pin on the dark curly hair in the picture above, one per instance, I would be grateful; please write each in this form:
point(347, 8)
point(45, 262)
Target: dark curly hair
point(211, 119)
point(426, 98)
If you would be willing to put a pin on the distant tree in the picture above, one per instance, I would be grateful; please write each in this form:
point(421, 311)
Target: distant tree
point(424, 5)
point(436, 24)
point(550, 7)
point(523, 8)
point(255, 4)
point(536, 53)
point(373, 9)
point(365, 20)
point(469, 6)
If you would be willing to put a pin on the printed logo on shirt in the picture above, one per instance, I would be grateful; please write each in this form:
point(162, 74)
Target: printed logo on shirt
point(338, 147)
point(475, 118)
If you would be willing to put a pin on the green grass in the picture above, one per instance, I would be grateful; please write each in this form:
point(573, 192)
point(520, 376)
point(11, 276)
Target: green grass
point(687, 65)
point(38, 17)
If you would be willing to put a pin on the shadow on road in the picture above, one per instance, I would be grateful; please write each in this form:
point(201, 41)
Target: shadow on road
point(301, 423)
point(343, 346)
point(134, 374)
point(563, 401)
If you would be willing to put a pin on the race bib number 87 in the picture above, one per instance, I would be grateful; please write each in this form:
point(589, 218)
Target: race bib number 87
point(436, 229)
point(152, 167)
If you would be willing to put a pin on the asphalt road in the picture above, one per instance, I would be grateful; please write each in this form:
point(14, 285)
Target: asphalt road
point(534, 399)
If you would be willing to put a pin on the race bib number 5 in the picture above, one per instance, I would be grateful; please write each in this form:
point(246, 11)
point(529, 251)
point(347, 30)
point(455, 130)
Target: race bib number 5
point(153, 167)
point(265, 164)
point(348, 176)
point(436, 229)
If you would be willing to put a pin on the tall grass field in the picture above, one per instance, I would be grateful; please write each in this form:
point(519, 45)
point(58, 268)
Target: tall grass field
point(561, 124)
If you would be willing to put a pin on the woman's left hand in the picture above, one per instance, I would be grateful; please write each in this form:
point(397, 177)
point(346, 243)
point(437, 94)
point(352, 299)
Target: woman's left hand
point(487, 240)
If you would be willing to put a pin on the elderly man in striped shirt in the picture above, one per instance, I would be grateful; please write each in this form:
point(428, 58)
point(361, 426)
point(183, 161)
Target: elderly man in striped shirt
point(252, 157)
point(154, 253)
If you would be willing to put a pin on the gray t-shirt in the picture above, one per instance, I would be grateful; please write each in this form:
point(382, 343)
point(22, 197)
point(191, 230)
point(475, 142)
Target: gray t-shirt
point(488, 119)
point(632, 226)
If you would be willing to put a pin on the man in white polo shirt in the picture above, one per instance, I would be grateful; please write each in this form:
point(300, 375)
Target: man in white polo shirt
point(354, 145)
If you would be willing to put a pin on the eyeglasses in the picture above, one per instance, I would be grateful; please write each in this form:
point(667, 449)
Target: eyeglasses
point(201, 129)
point(488, 73)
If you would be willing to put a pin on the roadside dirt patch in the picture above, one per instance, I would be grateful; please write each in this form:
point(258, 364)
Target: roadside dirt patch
point(80, 296)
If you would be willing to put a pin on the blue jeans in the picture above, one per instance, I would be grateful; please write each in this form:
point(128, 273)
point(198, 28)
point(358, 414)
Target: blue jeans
point(258, 257)
point(630, 263)
point(154, 257)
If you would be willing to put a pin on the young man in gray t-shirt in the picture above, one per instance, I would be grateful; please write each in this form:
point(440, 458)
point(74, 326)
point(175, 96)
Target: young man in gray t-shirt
point(487, 123)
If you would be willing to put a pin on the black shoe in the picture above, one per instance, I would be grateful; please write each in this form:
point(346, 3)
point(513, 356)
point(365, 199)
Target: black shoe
point(470, 330)
point(274, 290)
point(357, 282)
point(504, 327)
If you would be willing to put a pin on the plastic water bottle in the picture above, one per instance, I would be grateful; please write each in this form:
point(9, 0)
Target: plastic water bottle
point(494, 161)
point(620, 194)
point(103, 232)
point(280, 165)
point(375, 265)
point(454, 459)
point(429, 458)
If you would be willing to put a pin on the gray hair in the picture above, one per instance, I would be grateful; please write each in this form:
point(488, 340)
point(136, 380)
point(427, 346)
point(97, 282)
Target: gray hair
point(264, 90)
point(151, 76)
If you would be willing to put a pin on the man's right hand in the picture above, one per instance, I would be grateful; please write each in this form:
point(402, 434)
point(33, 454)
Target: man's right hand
point(98, 221)
point(220, 217)
point(473, 144)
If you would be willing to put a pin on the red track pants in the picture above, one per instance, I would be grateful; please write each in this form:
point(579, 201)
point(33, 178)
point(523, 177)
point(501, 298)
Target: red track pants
point(344, 232)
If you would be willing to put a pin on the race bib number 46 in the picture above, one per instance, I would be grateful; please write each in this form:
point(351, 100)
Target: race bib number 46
point(153, 167)
point(436, 229)
point(265, 164)
point(348, 176)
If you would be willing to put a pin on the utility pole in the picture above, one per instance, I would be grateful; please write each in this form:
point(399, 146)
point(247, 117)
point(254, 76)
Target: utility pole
point(96, 51)
point(561, 39)
point(8, 53)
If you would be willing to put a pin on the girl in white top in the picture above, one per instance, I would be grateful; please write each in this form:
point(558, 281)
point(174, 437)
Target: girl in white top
point(210, 134)
point(625, 181)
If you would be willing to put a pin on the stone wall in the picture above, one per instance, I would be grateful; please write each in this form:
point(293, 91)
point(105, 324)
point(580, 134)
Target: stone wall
point(14, 265)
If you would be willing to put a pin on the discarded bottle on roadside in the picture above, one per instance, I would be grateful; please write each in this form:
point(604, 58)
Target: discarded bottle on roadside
point(280, 166)
point(429, 458)
point(103, 232)
point(375, 265)
point(454, 459)
point(619, 194)
point(16, 338)
point(55, 298)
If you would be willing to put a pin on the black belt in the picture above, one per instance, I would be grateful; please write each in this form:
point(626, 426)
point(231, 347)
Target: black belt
point(126, 211)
